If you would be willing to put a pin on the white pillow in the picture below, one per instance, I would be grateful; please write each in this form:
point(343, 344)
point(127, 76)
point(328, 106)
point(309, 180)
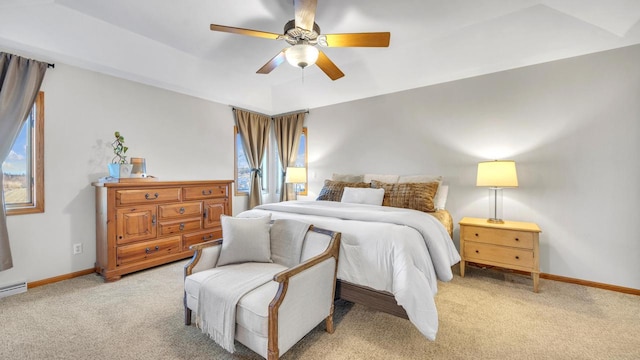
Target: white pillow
point(245, 240)
point(440, 200)
point(347, 177)
point(362, 196)
point(389, 179)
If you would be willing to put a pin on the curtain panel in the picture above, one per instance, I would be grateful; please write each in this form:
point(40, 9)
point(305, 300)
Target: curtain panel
point(254, 131)
point(20, 81)
point(288, 129)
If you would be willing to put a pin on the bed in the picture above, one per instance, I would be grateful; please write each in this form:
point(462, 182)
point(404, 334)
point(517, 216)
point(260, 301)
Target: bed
point(390, 257)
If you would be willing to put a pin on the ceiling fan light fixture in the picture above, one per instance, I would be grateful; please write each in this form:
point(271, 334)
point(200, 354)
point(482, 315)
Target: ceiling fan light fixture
point(302, 55)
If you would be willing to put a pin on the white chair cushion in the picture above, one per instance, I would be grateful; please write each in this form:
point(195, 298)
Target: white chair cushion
point(193, 282)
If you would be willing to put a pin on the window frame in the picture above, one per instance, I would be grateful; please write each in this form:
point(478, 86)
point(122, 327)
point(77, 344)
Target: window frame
point(37, 165)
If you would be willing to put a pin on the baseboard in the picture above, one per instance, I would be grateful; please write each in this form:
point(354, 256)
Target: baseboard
point(55, 279)
point(564, 279)
point(569, 280)
point(593, 284)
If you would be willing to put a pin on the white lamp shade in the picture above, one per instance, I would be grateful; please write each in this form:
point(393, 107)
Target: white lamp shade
point(296, 175)
point(302, 55)
point(498, 173)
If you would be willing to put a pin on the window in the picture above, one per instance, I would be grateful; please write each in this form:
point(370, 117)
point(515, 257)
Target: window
point(243, 169)
point(301, 161)
point(23, 169)
point(270, 165)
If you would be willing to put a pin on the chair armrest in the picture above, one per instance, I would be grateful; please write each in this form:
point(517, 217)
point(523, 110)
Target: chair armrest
point(332, 250)
point(205, 256)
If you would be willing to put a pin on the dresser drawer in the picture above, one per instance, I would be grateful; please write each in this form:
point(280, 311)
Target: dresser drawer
point(205, 192)
point(197, 238)
point(514, 238)
point(179, 226)
point(498, 254)
point(148, 196)
point(188, 209)
point(130, 254)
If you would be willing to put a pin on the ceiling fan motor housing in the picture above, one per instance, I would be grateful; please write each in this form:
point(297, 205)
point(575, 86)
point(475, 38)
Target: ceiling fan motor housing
point(295, 35)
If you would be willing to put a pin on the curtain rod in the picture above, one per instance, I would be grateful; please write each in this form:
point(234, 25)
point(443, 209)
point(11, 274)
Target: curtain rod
point(287, 113)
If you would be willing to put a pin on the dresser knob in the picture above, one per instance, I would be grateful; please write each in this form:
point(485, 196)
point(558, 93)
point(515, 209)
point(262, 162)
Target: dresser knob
point(182, 212)
point(181, 226)
point(476, 234)
point(517, 257)
point(517, 239)
point(477, 251)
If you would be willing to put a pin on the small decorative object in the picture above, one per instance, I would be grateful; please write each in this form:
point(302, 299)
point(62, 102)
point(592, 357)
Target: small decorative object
point(295, 176)
point(119, 167)
point(496, 175)
point(139, 169)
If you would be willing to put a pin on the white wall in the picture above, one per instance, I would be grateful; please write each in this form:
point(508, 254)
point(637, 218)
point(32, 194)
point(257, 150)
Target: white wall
point(181, 137)
point(572, 127)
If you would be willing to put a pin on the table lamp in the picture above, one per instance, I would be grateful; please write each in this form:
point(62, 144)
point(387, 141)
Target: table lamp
point(295, 176)
point(496, 175)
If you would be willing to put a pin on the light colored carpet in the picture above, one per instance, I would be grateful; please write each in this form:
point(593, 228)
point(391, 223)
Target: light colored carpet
point(485, 315)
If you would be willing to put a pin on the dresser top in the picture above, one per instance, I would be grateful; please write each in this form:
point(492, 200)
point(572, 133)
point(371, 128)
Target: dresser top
point(508, 225)
point(129, 182)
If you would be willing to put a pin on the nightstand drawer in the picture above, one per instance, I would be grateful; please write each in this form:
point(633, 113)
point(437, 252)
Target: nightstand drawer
point(498, 254)
point(514, 238)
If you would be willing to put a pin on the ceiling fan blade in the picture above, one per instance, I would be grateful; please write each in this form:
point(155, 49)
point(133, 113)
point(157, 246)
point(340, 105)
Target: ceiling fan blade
point(329, 68)
point(241, 31)
point(376, 39)
point(272, 64)
point(305, 11)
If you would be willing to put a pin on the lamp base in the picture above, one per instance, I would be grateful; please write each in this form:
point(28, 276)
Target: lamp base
point(495, 221)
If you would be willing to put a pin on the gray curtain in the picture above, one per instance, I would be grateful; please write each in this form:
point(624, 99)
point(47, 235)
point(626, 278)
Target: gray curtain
point(288, 129)
point(20, 81)
point(254, 131)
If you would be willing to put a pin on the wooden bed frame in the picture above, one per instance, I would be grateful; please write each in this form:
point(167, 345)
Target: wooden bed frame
point(374, 299)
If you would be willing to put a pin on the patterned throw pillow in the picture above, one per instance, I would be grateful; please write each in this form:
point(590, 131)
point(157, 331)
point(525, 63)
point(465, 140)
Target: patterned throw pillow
point(417, 196)
point(332, 190)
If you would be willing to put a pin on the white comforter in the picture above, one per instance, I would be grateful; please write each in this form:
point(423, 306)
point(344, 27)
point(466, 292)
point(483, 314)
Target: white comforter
point(397, 250)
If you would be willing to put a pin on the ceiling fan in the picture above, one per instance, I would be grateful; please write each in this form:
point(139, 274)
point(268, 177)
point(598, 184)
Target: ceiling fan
point(303, 34)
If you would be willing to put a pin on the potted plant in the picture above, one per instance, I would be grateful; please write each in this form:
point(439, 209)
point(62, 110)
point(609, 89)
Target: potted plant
point(119, 167)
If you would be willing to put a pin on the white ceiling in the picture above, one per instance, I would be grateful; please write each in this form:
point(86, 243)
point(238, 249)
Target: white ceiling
point(167, 43)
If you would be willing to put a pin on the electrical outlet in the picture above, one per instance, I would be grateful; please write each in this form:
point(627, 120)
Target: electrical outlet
point(77, 249)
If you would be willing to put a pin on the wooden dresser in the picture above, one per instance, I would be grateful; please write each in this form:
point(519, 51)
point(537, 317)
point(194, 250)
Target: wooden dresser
point(512, 245)
point(141, 224)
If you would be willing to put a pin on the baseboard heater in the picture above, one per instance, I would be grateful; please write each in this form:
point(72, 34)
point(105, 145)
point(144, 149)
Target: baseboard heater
point(8, 290)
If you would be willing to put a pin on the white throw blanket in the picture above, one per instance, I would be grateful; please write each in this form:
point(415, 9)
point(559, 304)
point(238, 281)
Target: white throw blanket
point(401, 251)
point(220, 293)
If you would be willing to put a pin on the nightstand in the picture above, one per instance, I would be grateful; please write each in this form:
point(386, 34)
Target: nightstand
point(512, 245)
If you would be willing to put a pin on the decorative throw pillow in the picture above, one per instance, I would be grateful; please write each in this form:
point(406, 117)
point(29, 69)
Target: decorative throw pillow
point(245, 240)
point(332, 190)
point(417, 196)
point(362, 196)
